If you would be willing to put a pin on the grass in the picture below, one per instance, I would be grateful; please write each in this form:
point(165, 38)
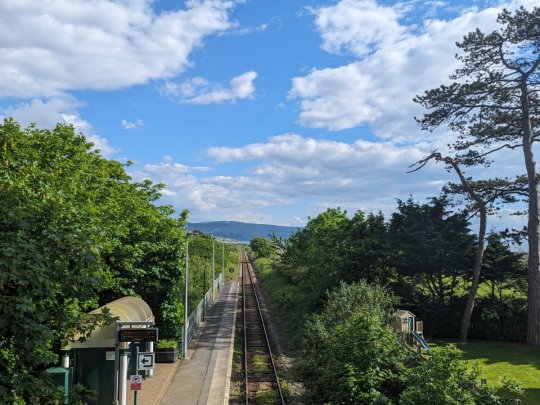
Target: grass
point(285, 302)
point(498, 359)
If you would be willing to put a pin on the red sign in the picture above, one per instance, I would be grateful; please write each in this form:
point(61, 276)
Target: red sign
point(136, 382)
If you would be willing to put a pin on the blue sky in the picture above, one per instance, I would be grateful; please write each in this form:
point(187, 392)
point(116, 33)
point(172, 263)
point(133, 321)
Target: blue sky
point(253, 110)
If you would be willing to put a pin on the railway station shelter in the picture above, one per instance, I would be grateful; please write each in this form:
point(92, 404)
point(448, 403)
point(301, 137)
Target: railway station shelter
point(94, 359)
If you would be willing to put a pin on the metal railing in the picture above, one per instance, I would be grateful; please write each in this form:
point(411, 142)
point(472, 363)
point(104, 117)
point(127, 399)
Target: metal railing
point(198, 314)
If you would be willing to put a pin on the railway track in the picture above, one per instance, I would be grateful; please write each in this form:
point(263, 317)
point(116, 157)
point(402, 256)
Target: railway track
point(261, 381)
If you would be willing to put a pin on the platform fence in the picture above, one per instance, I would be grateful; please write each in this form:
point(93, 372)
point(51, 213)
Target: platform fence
point(198, 314)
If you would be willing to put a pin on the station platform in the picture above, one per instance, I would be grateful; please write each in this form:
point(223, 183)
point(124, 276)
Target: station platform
point(203, 377)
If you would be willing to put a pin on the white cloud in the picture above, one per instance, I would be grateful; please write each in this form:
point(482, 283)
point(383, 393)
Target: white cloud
point(132, 124)
point(291, 170)
point(293, 166)
point(174, 168)
point(46, 114)
point(291, 173)
point(377, 89)
point(358, 26)
point(200, 91)
point(50, 47)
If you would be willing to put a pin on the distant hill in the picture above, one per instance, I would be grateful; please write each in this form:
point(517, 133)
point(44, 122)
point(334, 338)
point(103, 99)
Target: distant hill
point(241, 231)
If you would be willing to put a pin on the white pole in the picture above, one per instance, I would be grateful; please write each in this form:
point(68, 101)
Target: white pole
point(151, 350)
point(213, 269)
point(123, 376)
point(186, 292)
point(65, 360)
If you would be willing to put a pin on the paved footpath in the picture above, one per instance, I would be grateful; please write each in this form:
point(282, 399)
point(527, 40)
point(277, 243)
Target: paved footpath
point(204, 377)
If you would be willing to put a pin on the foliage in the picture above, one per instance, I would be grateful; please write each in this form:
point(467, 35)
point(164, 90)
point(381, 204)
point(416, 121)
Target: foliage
point(501, 267)
point(352, 354)
point(314, 257)
point(333, 248)
point(500, 319)
point(286, 302)
point(200, 264)
point(74, 233)
point(166, 344)
point(493, 104)
point(368, 250)
point(446, 379)
point(261, 247)
point(146, 256)
point(496, 359)
point(443, 379)
point(434, 246)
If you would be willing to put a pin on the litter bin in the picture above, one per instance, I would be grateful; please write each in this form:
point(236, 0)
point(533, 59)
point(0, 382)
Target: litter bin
point(62, 378)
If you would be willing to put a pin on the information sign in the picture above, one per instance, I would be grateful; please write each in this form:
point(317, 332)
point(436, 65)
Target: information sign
point(136, 382)
point(138, 335)
point(145, 361)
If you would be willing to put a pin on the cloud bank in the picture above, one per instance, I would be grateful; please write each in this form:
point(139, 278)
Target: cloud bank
point(51, 47)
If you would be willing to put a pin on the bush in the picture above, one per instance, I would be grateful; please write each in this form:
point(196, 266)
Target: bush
point(445, 379)
point(166, 344)
point(352, 354)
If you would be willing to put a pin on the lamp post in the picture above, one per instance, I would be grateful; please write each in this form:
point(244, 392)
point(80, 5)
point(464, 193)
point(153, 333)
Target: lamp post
point(213, 269)
point(186, 292)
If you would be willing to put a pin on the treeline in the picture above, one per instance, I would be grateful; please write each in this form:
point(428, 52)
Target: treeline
point(424, 254)
point(335, 284)
point(203, 248)
point(76, 232)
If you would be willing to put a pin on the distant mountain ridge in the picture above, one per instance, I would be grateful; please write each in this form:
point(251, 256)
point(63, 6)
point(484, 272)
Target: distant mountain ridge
point(241, 231)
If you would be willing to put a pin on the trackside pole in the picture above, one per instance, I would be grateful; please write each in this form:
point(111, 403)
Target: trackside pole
point(213, 269)
point(123, 376)
point(186, 292)
point(150, 373)
point(135, 394)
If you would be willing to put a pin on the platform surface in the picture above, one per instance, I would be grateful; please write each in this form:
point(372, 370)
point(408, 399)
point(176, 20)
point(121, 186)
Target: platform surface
point(204, 376)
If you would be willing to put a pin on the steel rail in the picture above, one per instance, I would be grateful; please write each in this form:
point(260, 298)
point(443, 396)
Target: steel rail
point(259, 311)
point(245, 329)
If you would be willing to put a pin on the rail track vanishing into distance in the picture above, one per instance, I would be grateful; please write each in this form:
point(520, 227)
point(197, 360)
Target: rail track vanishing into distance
point(261, 380)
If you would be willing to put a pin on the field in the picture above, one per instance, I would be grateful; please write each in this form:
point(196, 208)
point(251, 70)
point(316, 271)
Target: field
point(498, 359)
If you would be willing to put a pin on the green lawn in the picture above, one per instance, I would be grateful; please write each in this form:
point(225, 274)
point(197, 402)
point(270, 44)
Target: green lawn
point(498, 359)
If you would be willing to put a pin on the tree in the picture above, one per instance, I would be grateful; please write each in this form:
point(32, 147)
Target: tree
point(315, 257)
point(433, 246)
point(351, 353)
point(262, 247)
point(75, 232)
point(368, 249)
point(501, 266)
point(493, 104)
point(50, 264)
point(483, 195)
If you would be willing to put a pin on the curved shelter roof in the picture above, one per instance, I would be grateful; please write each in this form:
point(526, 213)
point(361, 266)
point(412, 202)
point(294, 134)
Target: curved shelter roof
point(132, 309)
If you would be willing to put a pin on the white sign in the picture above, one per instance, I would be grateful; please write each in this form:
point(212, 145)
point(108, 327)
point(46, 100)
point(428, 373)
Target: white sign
point(109, 356)
point(136, 382)
point(145, 361)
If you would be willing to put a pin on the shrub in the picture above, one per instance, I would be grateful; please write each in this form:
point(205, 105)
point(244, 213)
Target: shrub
point(445, 379)
point(352, 354)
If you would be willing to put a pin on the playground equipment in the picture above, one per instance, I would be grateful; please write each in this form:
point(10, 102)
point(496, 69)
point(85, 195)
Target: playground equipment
point(405, 322)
